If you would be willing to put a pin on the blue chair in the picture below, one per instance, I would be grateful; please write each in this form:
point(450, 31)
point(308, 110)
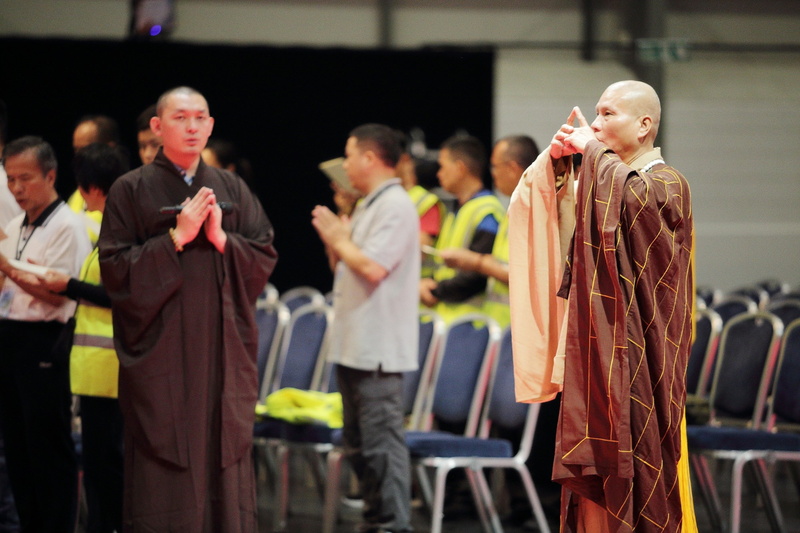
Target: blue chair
point(708, 327)
point(743, 379)
point(269, 294)
point(460, 370)
point(787, 309)
point(478, 452)
point(272, 319)
point(318, 442)
point(734, 304)
point(296, 297)
point(300, 364)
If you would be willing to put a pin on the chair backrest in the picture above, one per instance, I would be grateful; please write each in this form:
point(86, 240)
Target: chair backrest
point(773, 286)
point(708, 326)
point(272, 319)
point(269, 294)
point(461, 374)
point(707, 296)
point(748, 352)
point(432, 330)
point(298, 296)
point(300, 361)
point(785, 401)
point(787, 309)
point(734, 304)
point(501, 407)
point(758, 294)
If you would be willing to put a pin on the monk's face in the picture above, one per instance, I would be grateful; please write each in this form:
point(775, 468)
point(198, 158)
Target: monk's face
point(184, 126)
point(618, 124)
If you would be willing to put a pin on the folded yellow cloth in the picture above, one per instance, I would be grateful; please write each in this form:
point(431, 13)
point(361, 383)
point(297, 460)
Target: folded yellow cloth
point(303, 407)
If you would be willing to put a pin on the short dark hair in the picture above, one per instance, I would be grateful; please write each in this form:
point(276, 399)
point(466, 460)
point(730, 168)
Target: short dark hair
point(143, 120)
point(522, 149)
point(469, 150)
point(183, 89)
point(107, 128)
point(98, 165)
point(45, 155)
point(381, 139)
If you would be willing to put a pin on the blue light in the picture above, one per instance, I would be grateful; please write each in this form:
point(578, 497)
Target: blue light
point(155, 30)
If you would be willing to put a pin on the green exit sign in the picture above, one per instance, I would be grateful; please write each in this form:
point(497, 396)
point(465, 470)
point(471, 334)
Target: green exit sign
point(662, 50)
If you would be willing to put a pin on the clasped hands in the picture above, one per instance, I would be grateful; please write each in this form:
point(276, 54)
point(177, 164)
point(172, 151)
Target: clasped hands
point(570, 139)
point(200, 211)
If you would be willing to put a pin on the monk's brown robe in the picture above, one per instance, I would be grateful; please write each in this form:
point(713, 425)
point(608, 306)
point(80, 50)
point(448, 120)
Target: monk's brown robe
point(629, 331)
point(186, 338)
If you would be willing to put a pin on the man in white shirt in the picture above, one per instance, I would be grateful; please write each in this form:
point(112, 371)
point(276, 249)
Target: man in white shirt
point(35, 398)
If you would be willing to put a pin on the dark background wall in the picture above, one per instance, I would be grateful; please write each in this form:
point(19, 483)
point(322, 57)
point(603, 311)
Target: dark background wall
point(286, 109)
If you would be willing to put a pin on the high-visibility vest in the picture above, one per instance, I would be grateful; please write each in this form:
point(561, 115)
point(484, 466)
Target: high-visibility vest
point(91, 219)
point(496, 304)
point(458, 230)
point(93, 363)
point(424, 200)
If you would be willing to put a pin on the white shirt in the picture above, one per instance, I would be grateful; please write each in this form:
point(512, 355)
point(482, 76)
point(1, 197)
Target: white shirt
point(60, 242)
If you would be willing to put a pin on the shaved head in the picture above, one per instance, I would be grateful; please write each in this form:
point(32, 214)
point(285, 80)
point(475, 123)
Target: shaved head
point(640, 99)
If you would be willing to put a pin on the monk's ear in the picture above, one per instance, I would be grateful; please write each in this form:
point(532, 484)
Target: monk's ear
point(645, 126)
point(155, 125)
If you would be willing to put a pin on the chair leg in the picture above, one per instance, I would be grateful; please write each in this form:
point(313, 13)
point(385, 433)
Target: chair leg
point(767, 489)
point(479, 496)
point(486, 490)
point(330, 510)
point(708, 490)
point(282, 488)
point(533, 498)
point(437, 507)
point(425, 486)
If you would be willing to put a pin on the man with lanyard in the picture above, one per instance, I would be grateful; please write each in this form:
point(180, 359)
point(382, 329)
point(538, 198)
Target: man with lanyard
point(376, 307)
point(35, 399)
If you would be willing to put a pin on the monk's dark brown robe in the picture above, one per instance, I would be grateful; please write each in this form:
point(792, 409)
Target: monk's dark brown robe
point(186, 338)
point(628, 339)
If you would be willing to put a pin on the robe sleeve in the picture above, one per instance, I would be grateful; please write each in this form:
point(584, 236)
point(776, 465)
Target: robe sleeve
point(140, 272)
point(541, 219)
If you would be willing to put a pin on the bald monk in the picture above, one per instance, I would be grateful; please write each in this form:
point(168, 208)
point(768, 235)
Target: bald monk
point(617, 349)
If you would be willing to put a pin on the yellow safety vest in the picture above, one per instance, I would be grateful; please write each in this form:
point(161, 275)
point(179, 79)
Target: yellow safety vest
point(93, 218)
point(424, 200)
point(458, 230)
point(93, 363)
point(496, 304)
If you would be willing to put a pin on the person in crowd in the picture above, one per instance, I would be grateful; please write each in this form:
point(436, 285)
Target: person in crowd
point(629, 287)
point(376, 307)
point(94, 367)
point(92, 129)
point(35, 333)
point(147, 142)
point(473, 225)
point(222, 153)
point(183, 290)
point(9, 521)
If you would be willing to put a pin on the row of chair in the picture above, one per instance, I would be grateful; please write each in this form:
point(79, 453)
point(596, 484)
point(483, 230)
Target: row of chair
point(752, 406)
point(465, 377)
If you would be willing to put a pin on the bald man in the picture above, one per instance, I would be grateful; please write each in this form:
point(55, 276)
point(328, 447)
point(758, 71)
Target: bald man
point(625, 329)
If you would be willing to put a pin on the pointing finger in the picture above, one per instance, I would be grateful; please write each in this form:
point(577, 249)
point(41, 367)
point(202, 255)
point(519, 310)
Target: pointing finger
point(581, 119)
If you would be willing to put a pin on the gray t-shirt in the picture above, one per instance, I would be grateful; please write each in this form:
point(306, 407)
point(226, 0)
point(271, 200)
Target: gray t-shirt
point(376, 324)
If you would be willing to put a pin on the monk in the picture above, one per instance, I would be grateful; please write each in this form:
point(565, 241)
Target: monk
point(618, 348)
point(183, 290)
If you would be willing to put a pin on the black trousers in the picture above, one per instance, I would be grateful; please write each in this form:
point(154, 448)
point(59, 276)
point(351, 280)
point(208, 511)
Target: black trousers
point(101, 439)
point(9, 521)
point(36, 418)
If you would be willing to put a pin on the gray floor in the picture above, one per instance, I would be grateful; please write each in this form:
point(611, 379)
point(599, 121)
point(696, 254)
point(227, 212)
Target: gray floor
point(306, 508)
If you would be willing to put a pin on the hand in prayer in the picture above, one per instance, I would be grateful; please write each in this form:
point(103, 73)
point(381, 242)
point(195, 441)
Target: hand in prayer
point(331, 228)
point(193, 215)
point(570, 140)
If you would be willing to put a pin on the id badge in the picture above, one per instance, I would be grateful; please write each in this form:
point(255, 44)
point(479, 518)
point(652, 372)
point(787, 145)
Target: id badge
point(6, 297)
